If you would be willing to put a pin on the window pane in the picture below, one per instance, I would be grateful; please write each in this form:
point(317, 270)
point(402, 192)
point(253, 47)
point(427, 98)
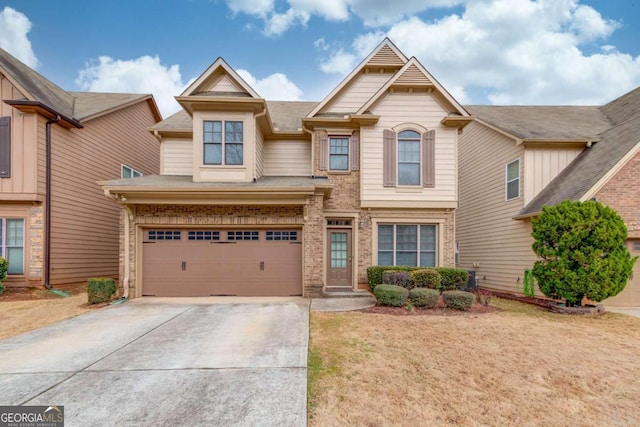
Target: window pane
point(233, 132)
point(406, 237)
point(513, 189)
point(14, 256)
point(136, 174)
point(126, 172)
point(15, 246)
point(408, 134)
point(339, 146)
point(339, 162)
point(428, 259)
point(427, 238)
point(213, 154)
point(385, 258)
point(408, 151)
point(15, 232)
point(233, 154)
point(406, 258)
point(338, 250)
point(212, 132)
point(513, 170)
point(385, 237)
point(409, 173)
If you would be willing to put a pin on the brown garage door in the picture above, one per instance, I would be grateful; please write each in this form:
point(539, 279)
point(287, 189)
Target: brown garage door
point(630, 296)
point(222, 262)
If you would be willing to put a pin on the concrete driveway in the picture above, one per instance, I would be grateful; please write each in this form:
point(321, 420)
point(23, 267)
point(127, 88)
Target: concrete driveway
point(156, 361)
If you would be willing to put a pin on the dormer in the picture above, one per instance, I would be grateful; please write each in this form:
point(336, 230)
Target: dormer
point(224, 109)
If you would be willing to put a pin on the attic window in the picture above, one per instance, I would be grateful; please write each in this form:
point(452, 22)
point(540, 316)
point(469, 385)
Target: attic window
point(129, 172)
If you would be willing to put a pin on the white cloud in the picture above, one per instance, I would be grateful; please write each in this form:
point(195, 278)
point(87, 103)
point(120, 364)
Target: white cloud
point(514, 52)
point(276, 87)
point(251, 7)
point(278, 23)
point(14, 27)
point(340, 62)
point(141, 75)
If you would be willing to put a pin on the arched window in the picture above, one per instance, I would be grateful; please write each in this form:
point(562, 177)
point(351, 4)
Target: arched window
point(408, 158)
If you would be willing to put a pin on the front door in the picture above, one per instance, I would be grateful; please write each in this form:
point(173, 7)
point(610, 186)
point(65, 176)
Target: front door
point(339, 257)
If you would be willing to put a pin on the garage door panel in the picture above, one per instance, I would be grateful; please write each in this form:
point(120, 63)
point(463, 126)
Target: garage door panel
point(219, 267)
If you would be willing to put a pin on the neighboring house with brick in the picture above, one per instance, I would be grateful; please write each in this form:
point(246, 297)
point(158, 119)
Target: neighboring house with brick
point(516, 159)
point(261, 197)
point(56, 226)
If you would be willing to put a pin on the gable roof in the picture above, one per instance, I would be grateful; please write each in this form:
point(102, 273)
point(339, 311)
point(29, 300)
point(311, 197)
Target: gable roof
point(219, 65)
point(74, 107)
point(385, 54)
point(413, 73)
point(544, 122)
point(623, 108)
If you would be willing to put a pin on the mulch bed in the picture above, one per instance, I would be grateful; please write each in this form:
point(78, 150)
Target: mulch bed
point(27, 294)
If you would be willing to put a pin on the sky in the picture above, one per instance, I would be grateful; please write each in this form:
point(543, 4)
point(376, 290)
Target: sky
point(535, 52)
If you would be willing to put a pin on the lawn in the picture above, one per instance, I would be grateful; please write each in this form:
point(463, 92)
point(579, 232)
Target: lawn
point(518, 366)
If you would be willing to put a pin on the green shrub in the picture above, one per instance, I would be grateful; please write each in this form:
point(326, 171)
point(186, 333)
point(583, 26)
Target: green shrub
point(581, 246)
point(4, 267)
point(375, 273)
point(425, 278)
point(391, 295)
point(424, 297)
point(453, 278)
point(397, 278)
point(100, 289)
point(458, 300)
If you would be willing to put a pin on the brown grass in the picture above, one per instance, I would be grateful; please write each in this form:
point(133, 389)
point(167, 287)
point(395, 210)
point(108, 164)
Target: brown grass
point(24, 310)
point(519, 366)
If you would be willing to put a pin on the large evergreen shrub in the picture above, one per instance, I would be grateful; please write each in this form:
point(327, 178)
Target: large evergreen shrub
point(582, 250)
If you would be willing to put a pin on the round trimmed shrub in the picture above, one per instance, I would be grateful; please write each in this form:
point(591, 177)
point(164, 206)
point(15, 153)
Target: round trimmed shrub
point(100, 289)
point(424, 297)
point(458, 300)
point(397, 278)
point(391, 295)
point(4, 266)
point(425, 278)
point(453, 278)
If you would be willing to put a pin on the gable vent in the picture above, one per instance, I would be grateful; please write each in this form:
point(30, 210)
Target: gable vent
point(386, 56)
point(413, 76)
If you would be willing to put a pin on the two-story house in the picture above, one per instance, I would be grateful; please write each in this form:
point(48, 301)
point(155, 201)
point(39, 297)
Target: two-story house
point(516, 159)
point(261, 197)
point(56, 226)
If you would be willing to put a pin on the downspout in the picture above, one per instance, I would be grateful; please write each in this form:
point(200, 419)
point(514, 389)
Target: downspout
point(47, 208)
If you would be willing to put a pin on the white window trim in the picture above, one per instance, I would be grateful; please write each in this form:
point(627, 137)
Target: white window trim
point(507, 181)
point(436, 224)
point(348, 138)
point(421, 179)
point(133, 171)
point(223, 143)
point(3, 245)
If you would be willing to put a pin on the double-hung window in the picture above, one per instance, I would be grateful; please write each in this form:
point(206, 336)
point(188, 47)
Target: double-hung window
point(407, 244)
point(339, 153)
point(223, 142)
point(12, 243)
point(408, 158)
point(512, 180)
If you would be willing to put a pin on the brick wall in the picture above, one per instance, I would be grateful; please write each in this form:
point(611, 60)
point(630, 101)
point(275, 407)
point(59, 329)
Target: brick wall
point(623, 194)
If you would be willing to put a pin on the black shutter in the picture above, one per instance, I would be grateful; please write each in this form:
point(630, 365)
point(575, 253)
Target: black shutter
point(5, 147)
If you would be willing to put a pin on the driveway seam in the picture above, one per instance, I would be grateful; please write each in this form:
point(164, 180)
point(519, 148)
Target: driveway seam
point(74, 373)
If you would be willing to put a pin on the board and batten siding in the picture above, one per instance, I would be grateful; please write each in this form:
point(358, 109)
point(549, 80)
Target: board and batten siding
point(408, 108)
point(176, 156)
point(542, 165)
point(287, 158)
point(26, 177)
point(490, 241)
point(359, 92)
point(84, 223)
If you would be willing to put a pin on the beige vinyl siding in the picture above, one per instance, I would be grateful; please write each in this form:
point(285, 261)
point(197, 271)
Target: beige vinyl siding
point(541, 165)
point(84, 223)
point(25, 174)
point(395, 110)
point(287, 158)
point(177, 156)
point(259, 153)
point(225, 85)
point(488, 237)
point(364, 86)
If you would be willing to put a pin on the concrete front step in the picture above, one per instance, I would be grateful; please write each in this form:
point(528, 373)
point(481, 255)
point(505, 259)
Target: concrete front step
point(345, 292)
